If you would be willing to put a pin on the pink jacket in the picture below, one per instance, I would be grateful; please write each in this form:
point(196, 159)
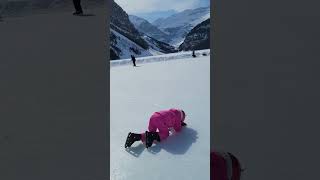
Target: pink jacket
point(163, 120)
point(170, 118)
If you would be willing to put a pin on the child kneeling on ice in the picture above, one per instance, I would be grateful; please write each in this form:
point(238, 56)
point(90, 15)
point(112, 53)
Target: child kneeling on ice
point(163, 121)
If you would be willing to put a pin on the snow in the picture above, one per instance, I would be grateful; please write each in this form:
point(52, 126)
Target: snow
point(124, 44)
point(183, 22)
point(155, 52)
point(136, 21)
point(138, 92)
point(185, 18)
point(152, 46)
point(178, 41)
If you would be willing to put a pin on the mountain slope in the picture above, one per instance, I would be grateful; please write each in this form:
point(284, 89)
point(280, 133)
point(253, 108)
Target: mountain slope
point(147, 28)
point(122, 47)
point(159, 45)
point(154, 15)
point(126, 40)
point(120, 22)
point(178, 25)
point(198, 38)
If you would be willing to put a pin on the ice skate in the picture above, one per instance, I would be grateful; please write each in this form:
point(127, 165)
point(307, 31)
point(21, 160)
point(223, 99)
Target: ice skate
point(150, 137)
point(132, 137)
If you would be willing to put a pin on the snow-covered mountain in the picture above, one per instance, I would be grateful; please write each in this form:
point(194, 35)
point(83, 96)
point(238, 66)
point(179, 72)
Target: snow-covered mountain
point(154, 15)
point(122, 47)
point(179, 25)
point(198, 38)
point(126, 40)
point(147, 28)
point(159, 45)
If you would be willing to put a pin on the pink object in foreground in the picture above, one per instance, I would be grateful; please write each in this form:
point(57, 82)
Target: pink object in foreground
point(224, 166)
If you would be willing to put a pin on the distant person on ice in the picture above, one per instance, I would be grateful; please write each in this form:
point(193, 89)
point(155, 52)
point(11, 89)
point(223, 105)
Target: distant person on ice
point(193, 54)
point(133, 60)
point(77, 6)
point(161, 121)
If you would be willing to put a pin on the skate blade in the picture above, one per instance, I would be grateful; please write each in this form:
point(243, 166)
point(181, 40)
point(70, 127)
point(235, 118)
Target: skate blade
point(126, 144)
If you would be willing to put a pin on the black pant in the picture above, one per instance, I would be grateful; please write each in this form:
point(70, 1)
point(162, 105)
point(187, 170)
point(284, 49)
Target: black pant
point(77, 5)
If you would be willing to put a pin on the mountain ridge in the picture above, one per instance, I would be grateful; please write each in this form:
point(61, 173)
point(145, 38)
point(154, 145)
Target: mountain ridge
point(126, 40)
point(177, 26)
point(198, 38)
point(149, 29)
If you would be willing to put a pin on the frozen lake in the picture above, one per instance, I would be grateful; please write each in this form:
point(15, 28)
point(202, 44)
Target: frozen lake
point(138, 92)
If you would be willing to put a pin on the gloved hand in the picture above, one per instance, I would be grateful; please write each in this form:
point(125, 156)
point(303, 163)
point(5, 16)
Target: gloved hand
point(183, 124)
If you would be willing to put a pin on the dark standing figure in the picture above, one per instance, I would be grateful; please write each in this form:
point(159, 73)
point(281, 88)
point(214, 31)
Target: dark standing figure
point(193, 54)
point(133, 60)
point(77, 6)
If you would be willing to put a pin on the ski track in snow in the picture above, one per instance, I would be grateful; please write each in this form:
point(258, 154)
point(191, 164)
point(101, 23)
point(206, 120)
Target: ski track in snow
point(138, 92)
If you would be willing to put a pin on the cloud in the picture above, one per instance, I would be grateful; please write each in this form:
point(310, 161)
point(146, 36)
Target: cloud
point(145, 6)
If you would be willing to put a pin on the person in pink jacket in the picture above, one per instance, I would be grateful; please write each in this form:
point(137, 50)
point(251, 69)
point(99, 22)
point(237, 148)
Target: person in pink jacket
point(159, 125)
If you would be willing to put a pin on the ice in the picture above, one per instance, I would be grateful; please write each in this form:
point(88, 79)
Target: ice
point(137, 92)
point(164, 57)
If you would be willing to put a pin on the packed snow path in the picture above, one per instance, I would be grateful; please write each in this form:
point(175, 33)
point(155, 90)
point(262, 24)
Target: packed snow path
point(138, 92)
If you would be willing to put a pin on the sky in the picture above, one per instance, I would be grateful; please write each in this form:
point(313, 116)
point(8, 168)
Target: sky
point(147, 6)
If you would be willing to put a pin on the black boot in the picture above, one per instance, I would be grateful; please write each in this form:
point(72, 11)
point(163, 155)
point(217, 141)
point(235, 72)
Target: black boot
point(77, 6)
point(132, 137)
point(150, 137)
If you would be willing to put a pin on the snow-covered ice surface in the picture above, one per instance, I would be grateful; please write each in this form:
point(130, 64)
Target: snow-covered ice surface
point(158, 58)
point(138, 92)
